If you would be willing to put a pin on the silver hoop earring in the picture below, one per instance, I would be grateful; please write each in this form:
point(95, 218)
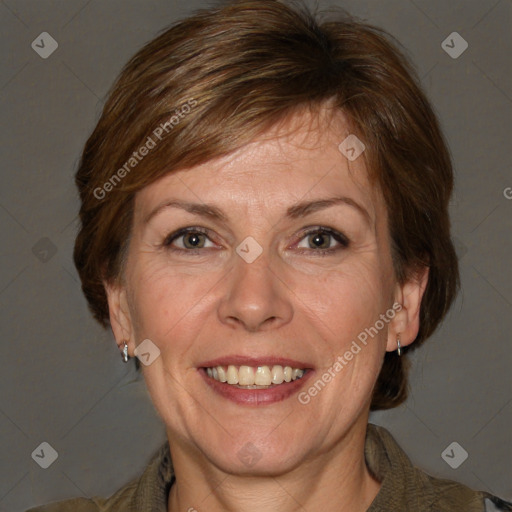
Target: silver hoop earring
point(399, 349)
point(125, 355)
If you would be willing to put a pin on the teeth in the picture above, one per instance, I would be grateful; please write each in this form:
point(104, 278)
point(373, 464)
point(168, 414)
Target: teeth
point(254, 377)
point(232, 375)
point(262, 376)
point(295, 373)
point(277, 374)
point(221, 373)
point(246, 376)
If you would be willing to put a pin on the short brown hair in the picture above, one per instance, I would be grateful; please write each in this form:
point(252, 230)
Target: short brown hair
point(242, 68)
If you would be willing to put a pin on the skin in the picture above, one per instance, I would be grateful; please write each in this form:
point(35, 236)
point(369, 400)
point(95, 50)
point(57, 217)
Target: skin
point(290, 302)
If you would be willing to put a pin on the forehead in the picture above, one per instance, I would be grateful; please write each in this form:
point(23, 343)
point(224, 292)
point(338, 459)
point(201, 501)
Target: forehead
point(296, 159)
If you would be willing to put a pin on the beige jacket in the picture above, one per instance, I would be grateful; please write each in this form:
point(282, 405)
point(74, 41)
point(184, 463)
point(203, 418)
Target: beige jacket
point(404, 487)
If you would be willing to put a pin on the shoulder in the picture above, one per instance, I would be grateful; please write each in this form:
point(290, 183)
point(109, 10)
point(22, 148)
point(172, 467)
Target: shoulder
point(75, 505)
point(119, 501)
point(148, 492)
point(449, 495)
point(406, 487)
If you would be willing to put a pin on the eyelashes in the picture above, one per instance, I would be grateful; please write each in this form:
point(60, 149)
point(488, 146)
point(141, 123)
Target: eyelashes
point(319, 234)
point(194, 239)
point(183, 233)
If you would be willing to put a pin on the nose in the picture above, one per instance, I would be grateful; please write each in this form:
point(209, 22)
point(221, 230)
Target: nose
point(256, 297)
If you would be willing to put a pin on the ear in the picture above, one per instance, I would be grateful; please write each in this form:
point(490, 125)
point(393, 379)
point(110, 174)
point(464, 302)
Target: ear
point(120, 318)
point(406, 322)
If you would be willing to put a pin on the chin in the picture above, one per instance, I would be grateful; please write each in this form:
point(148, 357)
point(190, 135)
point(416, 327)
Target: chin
point(268, 451)
point(250, 459)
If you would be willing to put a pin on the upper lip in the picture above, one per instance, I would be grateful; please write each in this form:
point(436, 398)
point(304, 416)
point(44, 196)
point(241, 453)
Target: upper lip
point(239, 360)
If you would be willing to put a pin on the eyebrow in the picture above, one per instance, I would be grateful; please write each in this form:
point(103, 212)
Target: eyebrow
point(293, 212)
point(308, 207)
point(202, 209)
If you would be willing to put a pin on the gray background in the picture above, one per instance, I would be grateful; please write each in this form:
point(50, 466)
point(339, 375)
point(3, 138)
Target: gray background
point(62, 380)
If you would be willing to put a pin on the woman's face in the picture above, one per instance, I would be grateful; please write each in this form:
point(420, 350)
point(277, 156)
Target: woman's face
point(276, 256)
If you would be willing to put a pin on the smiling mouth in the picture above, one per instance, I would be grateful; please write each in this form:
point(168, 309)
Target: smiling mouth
point(254, 377)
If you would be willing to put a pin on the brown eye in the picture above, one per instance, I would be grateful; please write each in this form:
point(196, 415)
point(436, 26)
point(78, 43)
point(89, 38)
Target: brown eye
point(319, 241)
point(323, 240)
point(187, 239)
point(193, 240)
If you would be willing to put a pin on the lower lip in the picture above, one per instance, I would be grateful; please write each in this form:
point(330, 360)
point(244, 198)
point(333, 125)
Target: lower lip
point(256, 396)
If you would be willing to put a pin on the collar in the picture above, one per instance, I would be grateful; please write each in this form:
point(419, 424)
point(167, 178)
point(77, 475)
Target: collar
point(403, 487)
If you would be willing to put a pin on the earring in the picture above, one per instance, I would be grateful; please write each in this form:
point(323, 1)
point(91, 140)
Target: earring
point(399, 349)
point(125, 352)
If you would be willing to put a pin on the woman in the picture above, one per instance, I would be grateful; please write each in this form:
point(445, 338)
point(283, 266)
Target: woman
point(265, 227)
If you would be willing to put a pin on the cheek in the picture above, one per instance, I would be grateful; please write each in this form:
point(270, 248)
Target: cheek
point(165, 299)
point(346, 299)
point(345, 307)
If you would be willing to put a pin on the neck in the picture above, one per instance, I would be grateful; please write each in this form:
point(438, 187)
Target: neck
point(336, 479)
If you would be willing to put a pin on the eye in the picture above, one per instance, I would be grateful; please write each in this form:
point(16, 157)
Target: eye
point(188, 239)
point(322, 239)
